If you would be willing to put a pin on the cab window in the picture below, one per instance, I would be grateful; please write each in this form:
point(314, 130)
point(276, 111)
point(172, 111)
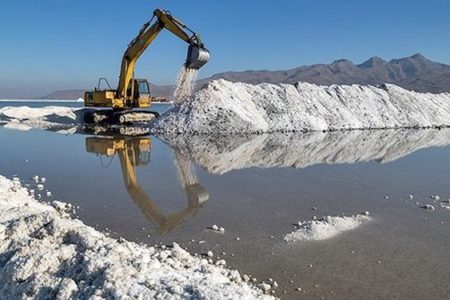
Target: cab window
point(143, 88)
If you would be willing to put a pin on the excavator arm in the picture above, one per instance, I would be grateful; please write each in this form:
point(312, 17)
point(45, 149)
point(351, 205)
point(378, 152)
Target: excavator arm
point(197, 54)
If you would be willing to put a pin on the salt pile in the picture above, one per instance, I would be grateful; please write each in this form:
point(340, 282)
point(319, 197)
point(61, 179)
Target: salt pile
point(222, 107)
point(24, 117)
point(225, 108)
point(47, 255)
point(328, 227)
point(221, 154)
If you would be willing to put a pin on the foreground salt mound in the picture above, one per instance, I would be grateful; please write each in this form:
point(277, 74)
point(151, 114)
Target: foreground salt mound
point(221, 154)
point(223, 107)
point(46, 255)
point(326, 228)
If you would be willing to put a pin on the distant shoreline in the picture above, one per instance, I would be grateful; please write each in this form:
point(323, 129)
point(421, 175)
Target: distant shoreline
point(59, 101)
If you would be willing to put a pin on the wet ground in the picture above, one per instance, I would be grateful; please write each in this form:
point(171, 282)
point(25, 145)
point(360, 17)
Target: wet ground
point(257, 188)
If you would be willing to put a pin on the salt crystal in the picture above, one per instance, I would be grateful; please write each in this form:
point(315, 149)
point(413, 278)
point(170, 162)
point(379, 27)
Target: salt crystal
point(428, 207)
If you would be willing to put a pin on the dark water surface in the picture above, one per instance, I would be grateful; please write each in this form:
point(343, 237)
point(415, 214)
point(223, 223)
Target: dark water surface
point(257, 188)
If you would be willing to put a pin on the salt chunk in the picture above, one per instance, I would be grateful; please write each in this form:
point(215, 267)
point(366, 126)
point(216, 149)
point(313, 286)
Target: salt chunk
point(221, 262)
point(265, 287)
point(428, 207)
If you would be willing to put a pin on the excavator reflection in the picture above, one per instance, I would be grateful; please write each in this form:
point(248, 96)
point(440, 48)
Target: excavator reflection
point(136, 151)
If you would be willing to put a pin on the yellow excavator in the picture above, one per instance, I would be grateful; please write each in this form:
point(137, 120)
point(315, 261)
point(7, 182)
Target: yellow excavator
point(136, 151)
point(133, 93)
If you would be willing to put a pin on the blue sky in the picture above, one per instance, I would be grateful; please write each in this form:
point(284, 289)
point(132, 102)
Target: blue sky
point(48, 45)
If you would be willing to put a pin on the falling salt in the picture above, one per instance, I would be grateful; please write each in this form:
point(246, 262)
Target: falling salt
point(185, 84)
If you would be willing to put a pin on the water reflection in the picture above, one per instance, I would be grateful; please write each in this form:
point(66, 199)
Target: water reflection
point(299, 150)
point(135, 152)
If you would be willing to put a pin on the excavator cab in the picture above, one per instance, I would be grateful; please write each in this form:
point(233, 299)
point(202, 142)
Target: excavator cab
point(138, 93)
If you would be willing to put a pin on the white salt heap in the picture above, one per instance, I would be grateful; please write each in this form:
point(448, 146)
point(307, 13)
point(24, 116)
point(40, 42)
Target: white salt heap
point(47, 255)
point(24, 117)
point(223, 107)
point(325, 228)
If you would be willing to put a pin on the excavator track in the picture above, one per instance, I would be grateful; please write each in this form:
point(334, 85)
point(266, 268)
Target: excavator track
point(120, 117)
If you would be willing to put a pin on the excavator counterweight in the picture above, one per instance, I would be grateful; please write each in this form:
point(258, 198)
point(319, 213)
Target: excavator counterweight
point(134, 93)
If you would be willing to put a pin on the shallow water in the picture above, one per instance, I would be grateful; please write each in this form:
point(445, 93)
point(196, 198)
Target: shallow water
point(257, 188)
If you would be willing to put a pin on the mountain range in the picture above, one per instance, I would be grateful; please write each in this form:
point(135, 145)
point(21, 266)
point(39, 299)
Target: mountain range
point(415, 72)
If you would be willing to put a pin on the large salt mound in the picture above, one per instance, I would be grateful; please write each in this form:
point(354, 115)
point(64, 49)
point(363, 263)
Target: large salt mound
point(223, 107)
point(46, 255)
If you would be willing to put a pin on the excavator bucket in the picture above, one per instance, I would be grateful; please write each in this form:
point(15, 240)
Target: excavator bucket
point(196, 57)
